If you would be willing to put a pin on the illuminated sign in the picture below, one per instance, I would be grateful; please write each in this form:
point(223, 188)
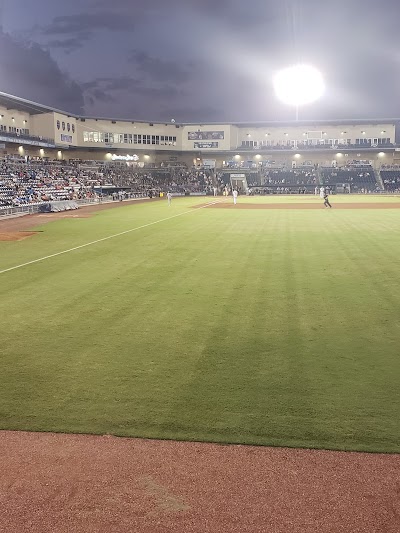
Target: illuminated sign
point(205, 135)
point(134, 157)
point(213, 144)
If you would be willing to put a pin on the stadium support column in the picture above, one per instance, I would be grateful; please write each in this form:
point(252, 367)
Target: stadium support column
point(319, 176)
point(378, 179)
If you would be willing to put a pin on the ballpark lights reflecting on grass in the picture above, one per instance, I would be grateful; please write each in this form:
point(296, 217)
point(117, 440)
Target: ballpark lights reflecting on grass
point(299, 85)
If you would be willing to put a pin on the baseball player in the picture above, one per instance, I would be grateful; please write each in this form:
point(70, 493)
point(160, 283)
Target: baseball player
point(235, 195)
point(326, 200)
point(169, 198)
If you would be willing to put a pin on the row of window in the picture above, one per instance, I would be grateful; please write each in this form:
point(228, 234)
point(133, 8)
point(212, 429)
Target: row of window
point(317, 142)
point(12, 129)
point(67, 125)
point(378, 141)
point(128, 138)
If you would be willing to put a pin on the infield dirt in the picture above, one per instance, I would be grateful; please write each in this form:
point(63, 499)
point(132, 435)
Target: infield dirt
point(79, 483)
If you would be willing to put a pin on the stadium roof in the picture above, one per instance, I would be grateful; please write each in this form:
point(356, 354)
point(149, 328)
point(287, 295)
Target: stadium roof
point(20, 104)
point(33, 108)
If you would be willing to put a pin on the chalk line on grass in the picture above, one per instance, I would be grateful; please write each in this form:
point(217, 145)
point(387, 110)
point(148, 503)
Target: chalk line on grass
point(106, 238)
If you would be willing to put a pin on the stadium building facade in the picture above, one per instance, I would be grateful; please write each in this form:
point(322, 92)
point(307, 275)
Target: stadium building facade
point(34, 130)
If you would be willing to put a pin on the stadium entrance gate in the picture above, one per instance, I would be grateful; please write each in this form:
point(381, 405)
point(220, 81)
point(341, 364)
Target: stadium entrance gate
point(239, 182)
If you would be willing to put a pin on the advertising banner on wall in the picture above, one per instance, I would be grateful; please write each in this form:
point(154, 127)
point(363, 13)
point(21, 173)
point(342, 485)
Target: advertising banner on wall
point(205, 145)
point(26, 141)
point(205, 135)
point(209, 163)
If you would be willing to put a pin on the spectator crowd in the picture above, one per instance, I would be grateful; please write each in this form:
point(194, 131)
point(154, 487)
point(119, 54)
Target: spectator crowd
point(26, 181)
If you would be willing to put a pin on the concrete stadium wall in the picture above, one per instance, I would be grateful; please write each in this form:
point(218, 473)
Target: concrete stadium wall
point(132, 128)
point(65, 130)
point(43, 125)
point(18, 116)
point(203, 137)
point(282, 134)
point(193, 158)
point(61, 128)
point(195, 142)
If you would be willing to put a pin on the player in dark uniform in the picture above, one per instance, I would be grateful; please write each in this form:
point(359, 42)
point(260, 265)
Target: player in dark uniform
point(326, 199)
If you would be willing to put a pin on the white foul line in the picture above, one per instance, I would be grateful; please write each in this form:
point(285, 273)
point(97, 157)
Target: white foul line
point(106, 238)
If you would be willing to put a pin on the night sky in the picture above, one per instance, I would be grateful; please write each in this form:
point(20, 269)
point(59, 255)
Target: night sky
point(200, 60)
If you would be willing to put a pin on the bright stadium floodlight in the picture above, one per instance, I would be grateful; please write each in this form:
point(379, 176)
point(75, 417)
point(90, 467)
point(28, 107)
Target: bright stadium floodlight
point(299, 85)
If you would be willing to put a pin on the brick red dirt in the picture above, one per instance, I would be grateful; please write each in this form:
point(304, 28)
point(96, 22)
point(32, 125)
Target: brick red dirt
point(15, 235)
point(83, 484)
point(305, 205)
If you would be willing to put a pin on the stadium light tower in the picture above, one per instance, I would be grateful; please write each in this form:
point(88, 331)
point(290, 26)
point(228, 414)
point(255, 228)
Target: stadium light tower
point(299, 85)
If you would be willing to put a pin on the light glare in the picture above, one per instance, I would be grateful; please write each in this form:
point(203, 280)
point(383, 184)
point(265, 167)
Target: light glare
point(299, 85)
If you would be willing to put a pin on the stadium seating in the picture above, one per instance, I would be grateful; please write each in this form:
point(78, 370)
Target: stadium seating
point(177, 179)
point(33, 182)
point(360, 179)
point(391, 179)
point(37, 181)
point(295, 177)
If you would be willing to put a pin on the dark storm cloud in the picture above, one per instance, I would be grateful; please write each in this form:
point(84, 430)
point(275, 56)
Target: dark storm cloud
point(235, 12)
point(133, 85)
point(69, 45)
point(198, 114)
point(158, 69)
point(88, 22)
point(127, 89)
point(140, 6)
point(214, 60)
point(28, 71)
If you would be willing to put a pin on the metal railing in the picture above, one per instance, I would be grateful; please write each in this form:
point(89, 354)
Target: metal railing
point(11, 136)
point(30, 209)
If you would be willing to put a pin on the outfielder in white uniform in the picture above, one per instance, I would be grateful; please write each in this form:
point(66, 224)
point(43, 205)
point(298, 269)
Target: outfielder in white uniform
point(235, 195)
point(169, 198)
point(322, 192)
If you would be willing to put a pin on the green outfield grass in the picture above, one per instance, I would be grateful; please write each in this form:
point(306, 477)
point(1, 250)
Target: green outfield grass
point(273, 327)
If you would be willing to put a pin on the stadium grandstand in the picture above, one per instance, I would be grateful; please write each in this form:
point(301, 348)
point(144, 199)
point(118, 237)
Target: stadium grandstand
point(49, 155)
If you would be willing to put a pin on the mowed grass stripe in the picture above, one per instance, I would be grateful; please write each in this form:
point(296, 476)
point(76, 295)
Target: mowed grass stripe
point(271, 327)
point(102, 239)
point(307, 369)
